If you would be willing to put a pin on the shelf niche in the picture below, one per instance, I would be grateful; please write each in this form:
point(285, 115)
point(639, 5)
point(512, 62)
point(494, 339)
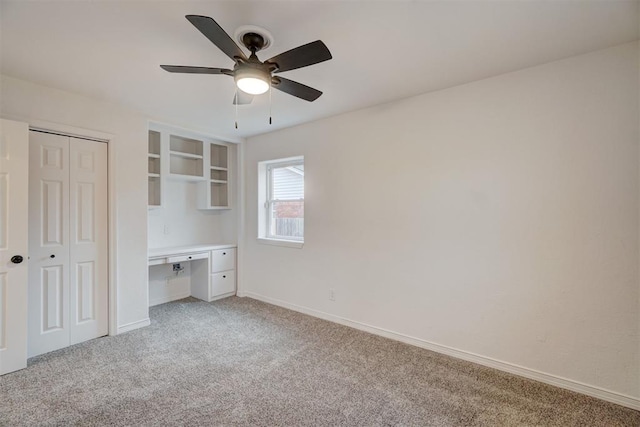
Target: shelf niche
point(219, 195)
point(153, 170)
point(215, 191)
point(219, 156)
point(185, 157)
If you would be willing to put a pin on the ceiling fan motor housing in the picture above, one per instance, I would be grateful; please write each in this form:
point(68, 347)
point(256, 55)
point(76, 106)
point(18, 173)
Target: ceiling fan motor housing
point(253, 41)
point(253, 69)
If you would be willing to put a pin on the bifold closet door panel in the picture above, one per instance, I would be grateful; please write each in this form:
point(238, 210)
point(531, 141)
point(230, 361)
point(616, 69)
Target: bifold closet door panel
point(48, 300)
point(88, 240)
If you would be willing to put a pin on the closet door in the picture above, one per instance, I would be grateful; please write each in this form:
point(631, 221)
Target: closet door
point(68, 281)
point(88, 240)
point(48, 243)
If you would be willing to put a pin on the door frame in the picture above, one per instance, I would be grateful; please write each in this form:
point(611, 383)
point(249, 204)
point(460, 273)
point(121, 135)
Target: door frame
point(111, 141)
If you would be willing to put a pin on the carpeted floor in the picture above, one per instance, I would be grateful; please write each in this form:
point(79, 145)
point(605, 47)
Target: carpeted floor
point(242, 362)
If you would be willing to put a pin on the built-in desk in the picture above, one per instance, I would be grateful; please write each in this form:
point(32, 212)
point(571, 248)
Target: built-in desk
point(212, 272)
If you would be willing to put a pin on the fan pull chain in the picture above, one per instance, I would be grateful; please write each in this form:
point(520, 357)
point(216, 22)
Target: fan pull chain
point(270, 88)
point(236, 102)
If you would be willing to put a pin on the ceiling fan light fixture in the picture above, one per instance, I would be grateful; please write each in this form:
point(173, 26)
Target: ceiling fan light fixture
point(252, 85)
point(252, 82)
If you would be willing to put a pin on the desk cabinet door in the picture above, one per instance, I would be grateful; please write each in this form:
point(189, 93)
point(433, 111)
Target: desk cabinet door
point(223, 260)
point(223, 283)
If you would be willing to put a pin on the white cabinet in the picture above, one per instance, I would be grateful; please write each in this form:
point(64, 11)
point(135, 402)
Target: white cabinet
point(223, 284)
point(185, 258)
point(212, 270)
point(222, 281)
point(223, 260)
point(182, 155)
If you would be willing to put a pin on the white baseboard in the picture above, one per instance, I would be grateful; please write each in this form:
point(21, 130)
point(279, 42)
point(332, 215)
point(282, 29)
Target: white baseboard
point(221, 296)
point(589, 390)
point(134, 325)
point(168, 298)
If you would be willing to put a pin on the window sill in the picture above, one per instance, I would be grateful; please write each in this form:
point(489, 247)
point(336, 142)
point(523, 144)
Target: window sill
point(279, 242)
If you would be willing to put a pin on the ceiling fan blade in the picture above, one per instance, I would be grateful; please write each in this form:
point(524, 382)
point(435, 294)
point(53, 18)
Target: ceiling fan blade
point(217, 35)
point(296, 89)
point(242, 98)
point(301, 56)
point(195, 70)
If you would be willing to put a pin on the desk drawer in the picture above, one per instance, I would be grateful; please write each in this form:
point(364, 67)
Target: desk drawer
point(223, 260)
point(157, 261)
point(187, 257)
point(223, 283)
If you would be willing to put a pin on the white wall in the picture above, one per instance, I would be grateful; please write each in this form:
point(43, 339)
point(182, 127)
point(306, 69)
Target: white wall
point(29, 102)
point(499, 218)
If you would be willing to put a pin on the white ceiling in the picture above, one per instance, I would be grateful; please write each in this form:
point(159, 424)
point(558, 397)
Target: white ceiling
point(382, 50)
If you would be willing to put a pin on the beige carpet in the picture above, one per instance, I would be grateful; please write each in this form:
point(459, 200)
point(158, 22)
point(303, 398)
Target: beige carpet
point(243, 362)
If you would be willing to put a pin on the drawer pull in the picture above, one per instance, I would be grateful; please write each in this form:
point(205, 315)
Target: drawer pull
point(189, 257)
point(224, 277)
point(224, 253)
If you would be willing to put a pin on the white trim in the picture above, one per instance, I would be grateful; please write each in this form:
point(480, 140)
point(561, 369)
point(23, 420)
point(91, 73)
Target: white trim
point(43, 125)
point(134, 325)
point(265, 200)
point(168, 298)
point(240, 212)
point(111, 140)
point(270, 165)
point(221, 296)
point(280, 242)
point(579, 387)
point(167, 127)
point(113, 235)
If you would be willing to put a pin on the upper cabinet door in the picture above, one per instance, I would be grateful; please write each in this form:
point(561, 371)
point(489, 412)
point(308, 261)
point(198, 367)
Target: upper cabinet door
point(14, 190)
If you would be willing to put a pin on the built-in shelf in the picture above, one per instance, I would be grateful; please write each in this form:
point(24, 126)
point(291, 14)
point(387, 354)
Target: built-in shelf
point(219, 195)
point(174, 155)
point(215, 192)
point(219, 157)
point(153, 169)
point(218, 174)
point(185, 156)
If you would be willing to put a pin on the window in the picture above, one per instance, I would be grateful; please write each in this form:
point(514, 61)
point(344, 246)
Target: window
point(282, 201)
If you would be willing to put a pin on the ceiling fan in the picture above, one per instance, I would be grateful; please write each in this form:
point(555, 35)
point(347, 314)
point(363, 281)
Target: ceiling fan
point(252, 76)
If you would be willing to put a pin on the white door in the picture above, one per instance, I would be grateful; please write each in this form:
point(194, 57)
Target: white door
point(14, 155)
point(48, 242)
point(67, 241)
point(88, 240)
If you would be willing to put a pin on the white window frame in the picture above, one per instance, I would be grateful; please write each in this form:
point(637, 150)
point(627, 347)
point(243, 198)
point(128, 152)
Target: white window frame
point(266, 200)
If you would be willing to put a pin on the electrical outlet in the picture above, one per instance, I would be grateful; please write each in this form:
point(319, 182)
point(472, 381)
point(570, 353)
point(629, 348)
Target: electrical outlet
point(332, 294)
point(167, 230)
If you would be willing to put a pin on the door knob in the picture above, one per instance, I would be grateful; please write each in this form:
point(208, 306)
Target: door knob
point(17, 259)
